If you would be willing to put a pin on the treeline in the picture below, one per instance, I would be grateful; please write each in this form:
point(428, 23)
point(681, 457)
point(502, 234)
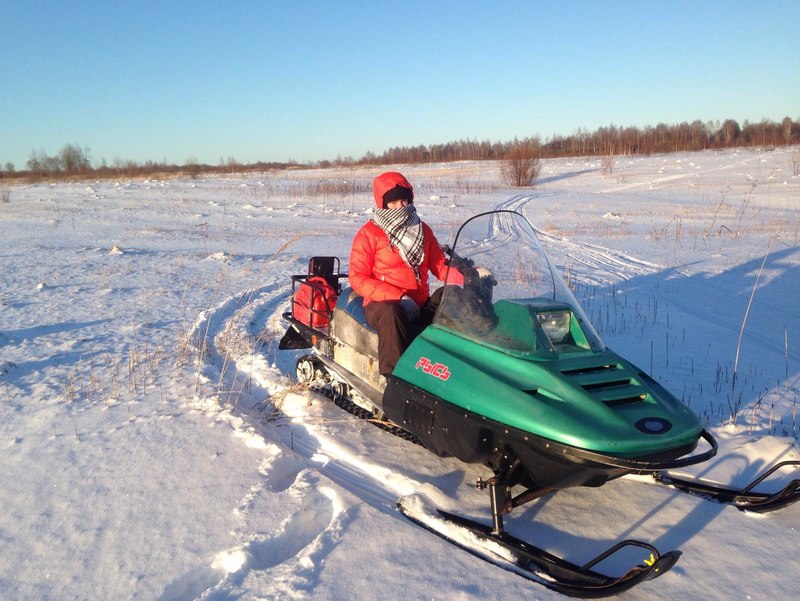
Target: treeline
point(604, 141)
point(676, 138)
point(75, 161)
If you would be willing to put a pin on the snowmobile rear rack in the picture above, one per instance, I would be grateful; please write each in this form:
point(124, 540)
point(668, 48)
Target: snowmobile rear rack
point(310, 315)
point(744, 499)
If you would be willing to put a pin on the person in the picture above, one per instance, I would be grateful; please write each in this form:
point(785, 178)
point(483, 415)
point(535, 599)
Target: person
point(390, 258)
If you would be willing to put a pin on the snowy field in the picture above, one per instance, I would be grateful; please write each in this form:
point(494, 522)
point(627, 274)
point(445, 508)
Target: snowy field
point(154, 445)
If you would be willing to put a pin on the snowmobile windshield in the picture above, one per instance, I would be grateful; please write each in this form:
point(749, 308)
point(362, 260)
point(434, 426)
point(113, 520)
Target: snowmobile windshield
point(513, 298)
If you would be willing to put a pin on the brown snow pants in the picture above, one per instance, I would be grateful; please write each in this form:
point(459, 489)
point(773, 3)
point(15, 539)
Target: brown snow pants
point(395, 332)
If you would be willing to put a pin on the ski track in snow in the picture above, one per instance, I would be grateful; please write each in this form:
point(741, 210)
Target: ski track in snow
point(677, 177)
point(592, 256)
point(230, 345)
point(304, 538)
point(602, 266)
point(288, 556)
point(254, 323)
point(235, 340)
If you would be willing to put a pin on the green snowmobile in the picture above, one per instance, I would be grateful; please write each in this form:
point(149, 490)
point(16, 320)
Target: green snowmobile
point(511, 374)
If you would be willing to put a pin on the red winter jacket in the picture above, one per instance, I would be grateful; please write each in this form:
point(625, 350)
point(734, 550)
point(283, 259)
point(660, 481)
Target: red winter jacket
point(378, 272)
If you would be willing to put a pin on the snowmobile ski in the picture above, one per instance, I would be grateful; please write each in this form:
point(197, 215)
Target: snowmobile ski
point(744, 499)
point(535, 564)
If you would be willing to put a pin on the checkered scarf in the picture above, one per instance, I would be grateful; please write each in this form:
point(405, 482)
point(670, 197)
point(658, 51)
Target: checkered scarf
point(405, 232)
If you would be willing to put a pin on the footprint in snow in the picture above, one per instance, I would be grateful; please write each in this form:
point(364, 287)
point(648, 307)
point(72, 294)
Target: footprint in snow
point(281, 470)
point(305, 533)
point(297, 548)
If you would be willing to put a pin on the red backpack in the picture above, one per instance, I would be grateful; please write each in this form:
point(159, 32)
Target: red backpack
point(314, 301)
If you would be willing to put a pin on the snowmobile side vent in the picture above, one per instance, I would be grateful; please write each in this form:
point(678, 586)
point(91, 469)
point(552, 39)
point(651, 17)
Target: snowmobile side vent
point(616, 393)
point(594, 369)
point(605, 385)
point(631, 400)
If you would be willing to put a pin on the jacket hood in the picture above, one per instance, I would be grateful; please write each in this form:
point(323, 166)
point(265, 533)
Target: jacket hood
point(393, 184)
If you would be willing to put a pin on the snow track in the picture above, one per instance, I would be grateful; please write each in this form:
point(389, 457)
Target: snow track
point(612, 265)
point(236, 343)
point(240, 337)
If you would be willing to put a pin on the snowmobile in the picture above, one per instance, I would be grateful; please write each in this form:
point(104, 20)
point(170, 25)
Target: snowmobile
point(511, 374)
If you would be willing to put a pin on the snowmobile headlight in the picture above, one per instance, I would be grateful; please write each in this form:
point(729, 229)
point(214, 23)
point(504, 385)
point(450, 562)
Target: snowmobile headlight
point(555, 324)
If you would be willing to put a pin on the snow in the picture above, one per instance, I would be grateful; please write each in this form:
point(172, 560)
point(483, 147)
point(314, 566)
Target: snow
point(154, 445)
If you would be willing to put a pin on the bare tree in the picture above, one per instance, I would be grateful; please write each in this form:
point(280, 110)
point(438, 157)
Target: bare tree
point(730, 131)
point(42, 164)
point(607, 163)
point(192, 167)
point(522, 165)
point(786, 129)
point(74, 158)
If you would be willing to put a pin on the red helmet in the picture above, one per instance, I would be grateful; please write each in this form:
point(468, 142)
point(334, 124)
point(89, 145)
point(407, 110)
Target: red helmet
point(391, 186)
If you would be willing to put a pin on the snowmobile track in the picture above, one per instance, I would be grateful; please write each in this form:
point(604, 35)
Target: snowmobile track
point(593, 256)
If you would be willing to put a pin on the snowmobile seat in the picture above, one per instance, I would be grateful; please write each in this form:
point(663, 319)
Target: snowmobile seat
point(350, 325)
point(353, 304)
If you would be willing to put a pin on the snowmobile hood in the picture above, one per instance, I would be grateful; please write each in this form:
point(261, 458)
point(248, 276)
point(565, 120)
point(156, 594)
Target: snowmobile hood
point(597, 402)
point(515, 347)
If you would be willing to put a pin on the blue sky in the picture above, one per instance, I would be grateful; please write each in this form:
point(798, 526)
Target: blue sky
point(272, 81)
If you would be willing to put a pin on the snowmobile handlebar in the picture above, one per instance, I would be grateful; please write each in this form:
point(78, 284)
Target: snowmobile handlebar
point(466, 266)
point(457, 261)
